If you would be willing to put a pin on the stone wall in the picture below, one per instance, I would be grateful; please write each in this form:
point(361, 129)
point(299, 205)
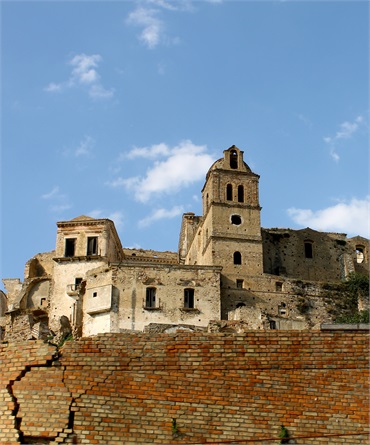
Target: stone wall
point(187, 388)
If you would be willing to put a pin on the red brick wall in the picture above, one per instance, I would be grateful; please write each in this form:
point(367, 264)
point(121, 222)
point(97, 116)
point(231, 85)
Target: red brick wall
point(128, 388)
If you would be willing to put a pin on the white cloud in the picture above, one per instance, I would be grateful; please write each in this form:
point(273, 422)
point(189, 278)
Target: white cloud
point(183, 165)
point(54, 87)
point(148, 16)
point(84, 74)
point(52, 194)
point(117, 217)
point(161, 214)
point(59, 208)
point(85, 146)
point(351, 217)
point(59, 201)
point(346, 131)
point(84, 68)
point(305, 120)
point(153, 27)
point(151, 152)
point(99, 92)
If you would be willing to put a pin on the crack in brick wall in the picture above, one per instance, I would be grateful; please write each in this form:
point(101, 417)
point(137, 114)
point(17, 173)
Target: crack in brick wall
point(128, 388)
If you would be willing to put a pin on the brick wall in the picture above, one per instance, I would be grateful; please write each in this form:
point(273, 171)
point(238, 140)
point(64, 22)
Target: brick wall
point(128, 388)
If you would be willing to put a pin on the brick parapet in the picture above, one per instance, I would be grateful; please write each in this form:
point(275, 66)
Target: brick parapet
point(128, 388)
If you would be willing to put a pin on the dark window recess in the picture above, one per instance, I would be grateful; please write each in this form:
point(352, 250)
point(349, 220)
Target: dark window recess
point(233, 159)
point(92, 245)
point(237, 258)
point(236, 220)
point(95, 294)
point(70, 247)
point(229, 192)
point(240, 305)
point(308, 251)
point(239, 284)
point(189, 298)
point(278, 286)
point(240, 193)
point(150, 297)
point(272, 324)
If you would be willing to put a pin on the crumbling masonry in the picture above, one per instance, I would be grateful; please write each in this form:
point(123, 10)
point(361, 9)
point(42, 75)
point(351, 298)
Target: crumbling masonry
point(228, 271)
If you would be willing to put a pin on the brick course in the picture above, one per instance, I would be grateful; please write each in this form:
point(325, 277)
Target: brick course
point(128, 388)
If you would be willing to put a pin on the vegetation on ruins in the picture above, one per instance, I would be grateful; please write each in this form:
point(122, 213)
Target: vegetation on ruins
point(343, 299)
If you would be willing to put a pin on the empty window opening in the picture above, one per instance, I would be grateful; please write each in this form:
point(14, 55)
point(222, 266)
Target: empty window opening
point(272, 324)
point(77, 284)
point(92, 245)
point(233, 159)
point(278, 286)
point(240, 305)
point(150, 300)
point(189, 298)
point(308, 250)
point(282, 309)
point(237, 258)
point(70, 247)
point(360, 254)
point(240, 284)
point(95, 294)
point(240, 193)
point(236, 220)
point(229, 192)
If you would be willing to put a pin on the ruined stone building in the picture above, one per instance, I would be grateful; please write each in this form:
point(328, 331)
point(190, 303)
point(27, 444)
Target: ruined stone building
point(227, 268)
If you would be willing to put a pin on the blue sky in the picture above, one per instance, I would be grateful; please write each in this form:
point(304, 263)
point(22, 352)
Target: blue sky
point(117, 110)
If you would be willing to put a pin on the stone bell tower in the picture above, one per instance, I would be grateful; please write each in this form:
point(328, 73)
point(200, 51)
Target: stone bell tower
point(231, 226)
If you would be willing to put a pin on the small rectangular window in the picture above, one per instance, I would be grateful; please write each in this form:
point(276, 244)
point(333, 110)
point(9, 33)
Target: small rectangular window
point(92, 245)
point(278, 286)
point(150, 297)
point(95, 294)
point(308, 251)
point(189, 298)
point(70, 246)
point(240, 193)
point(239, 284)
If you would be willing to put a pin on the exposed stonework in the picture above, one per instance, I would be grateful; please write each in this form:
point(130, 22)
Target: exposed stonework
point(227, 268)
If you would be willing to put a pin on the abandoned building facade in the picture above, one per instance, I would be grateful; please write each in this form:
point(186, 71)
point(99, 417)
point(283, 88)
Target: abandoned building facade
point(227, 268)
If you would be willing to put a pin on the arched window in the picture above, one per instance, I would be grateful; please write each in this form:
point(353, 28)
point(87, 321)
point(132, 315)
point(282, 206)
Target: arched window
point(237, 258)
point(360, 254)
point(308, 249)
point(229, 192)
point(240, 193)
point(233, 159)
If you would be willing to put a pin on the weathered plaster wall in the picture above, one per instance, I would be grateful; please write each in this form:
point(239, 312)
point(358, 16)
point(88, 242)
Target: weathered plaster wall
point(170, 281)
point(284, 254)
point(128, 388)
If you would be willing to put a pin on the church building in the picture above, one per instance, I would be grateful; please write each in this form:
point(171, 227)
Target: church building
point(227, 271)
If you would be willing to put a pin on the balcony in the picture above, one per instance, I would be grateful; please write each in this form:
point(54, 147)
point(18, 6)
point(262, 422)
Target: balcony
point(73, 290)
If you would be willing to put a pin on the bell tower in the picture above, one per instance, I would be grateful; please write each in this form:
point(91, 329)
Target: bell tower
point(231, 219)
